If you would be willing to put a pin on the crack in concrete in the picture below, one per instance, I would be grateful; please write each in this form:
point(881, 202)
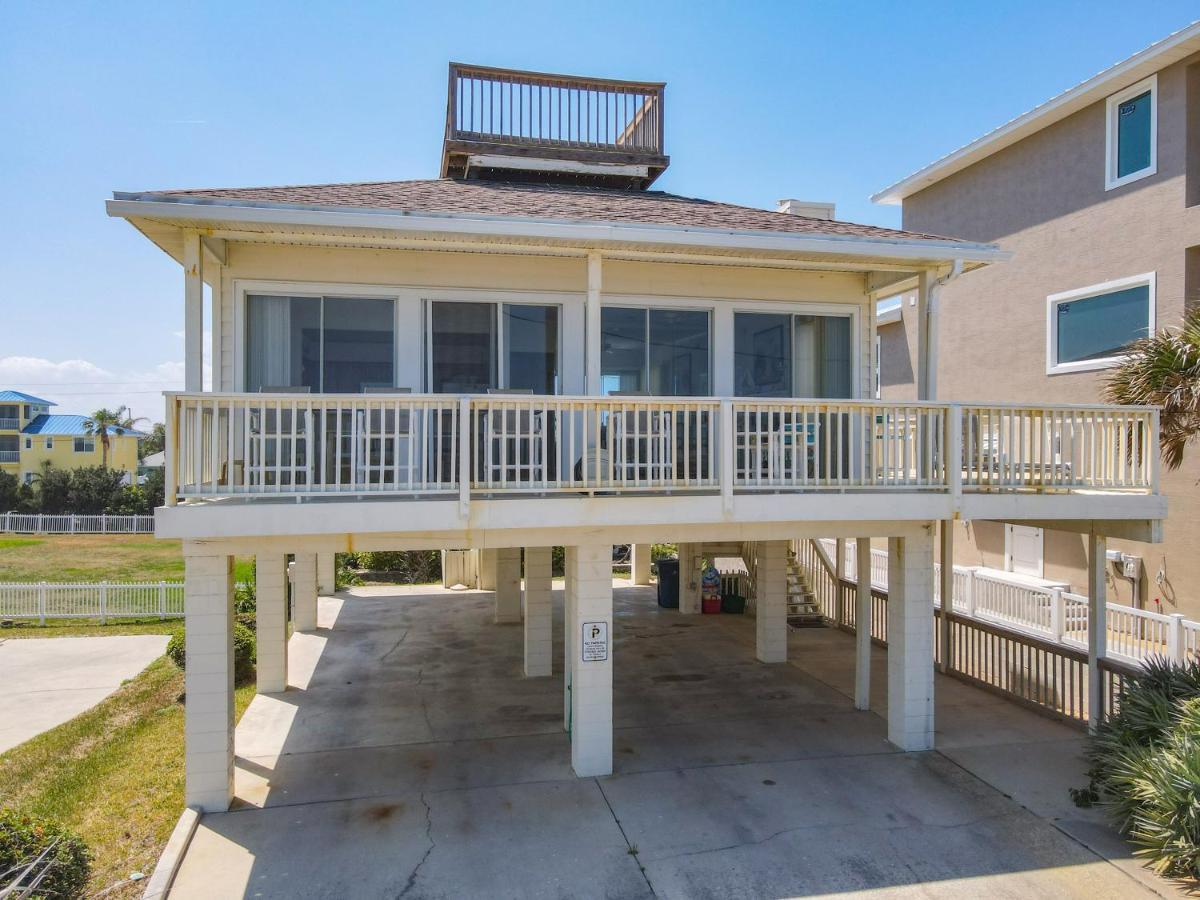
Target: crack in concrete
point(633, 851)
point(396, 646)
point(415, 873)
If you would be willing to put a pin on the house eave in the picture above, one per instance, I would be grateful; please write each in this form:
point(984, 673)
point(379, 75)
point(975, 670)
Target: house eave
point(1157, 56)
point(186, 212)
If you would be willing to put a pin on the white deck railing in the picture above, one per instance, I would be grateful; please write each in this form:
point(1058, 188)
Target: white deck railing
point(223, 445)
point(42, 523)
point(1133, 635)
point(103, 600)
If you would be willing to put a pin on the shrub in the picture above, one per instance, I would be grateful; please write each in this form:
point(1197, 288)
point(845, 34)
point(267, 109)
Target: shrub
point(53, 495)
point(244, 652)
point(24, 838)
point(408, 566)
point(93, 489)
point(10, 492)
point(245, 593)
point(343, 575)
point(1145, 766)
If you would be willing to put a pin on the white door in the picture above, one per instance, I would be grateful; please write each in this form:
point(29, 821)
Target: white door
point(1023, 550)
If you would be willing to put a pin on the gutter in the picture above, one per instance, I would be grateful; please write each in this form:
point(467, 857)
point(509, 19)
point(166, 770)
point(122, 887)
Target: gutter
point(129, 206)
point(931, 327)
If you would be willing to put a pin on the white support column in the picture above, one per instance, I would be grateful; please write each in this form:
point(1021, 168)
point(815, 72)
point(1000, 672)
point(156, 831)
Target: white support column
point(208, 680)
point(770, 623)
point(304, 592)
point(193, 313)
point(271, 621)
point(946, 589)
point(910, 641)
point(508, 586)
point(639, 563)
point(1097, 625)
point(591, 661)
point(326, 583)
point(862, 626)
point(925, 282)
point(487, 569)
point(592, 323)
point(570, 607)
point(689, 580)
point(539, 635)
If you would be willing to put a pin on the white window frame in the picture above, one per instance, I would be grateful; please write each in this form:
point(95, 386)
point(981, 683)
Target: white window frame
point(1053, 366)
point(1111, 132)
point(49, 443)
point(85, 441)
point(847, 310)
point(669, 304)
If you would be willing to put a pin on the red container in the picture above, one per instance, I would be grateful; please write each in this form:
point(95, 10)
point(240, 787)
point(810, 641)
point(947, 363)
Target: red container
point(711, 605)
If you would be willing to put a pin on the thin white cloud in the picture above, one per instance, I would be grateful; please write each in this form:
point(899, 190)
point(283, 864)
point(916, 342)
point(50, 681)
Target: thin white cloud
point(80, 386)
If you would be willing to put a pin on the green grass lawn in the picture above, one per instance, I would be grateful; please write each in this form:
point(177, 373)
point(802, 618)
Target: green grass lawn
point(29, 628)
point(114, 774)
point(96, 557)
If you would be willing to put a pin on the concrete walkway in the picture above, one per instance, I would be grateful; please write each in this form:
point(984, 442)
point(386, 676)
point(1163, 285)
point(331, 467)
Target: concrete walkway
point(47, 681)
point(411, 759)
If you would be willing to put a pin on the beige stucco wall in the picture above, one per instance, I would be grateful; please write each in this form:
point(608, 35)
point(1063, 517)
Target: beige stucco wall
point(1044, 199)
point(719, 288)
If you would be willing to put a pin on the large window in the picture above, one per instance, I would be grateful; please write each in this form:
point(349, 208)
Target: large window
point(477, 346)
point(325, 344)
point(664, 352)
point(790, 355)
point(85, 445)
point(1131, 137)
point(1091, 327)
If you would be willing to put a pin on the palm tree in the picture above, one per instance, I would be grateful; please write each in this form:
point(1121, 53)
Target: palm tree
point(1164, 370)
point(105, 422)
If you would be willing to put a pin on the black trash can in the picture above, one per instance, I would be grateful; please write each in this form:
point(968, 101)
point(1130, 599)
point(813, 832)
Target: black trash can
point(668, 583)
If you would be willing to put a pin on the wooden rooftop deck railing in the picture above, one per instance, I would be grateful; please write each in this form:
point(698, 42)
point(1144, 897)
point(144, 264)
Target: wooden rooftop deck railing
point(505, 106)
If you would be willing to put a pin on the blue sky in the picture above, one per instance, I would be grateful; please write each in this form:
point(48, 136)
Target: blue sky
point(765, 100)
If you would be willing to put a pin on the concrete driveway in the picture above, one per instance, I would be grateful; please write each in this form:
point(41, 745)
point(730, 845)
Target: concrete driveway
point(46, 681)
point(412, 760)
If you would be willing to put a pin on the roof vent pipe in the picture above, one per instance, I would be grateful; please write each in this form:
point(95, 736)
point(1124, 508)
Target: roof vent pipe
point(811, 209)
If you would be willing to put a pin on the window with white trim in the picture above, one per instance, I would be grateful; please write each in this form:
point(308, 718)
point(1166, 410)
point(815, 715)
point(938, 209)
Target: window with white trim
point(1090, 328)
point(85, 445)
point(49, 443)
point(1131, 134)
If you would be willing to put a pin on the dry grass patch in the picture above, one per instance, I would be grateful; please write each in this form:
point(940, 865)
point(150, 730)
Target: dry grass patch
point(114, 774)
point(90, 557)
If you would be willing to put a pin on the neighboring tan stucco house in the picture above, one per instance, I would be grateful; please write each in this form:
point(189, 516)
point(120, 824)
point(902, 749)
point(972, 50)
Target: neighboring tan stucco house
point(1097, 195)
point(536, 350)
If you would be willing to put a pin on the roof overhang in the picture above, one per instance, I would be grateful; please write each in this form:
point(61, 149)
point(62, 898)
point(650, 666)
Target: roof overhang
point(1171, 49)
point(162, 218)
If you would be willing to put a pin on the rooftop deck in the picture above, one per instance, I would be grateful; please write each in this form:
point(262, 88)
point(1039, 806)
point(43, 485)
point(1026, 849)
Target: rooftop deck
point(518, 125)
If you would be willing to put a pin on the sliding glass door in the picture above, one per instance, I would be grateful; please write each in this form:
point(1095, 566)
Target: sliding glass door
point(664, 352)
point(326, 344)
point(475, 347)
point(789, 355)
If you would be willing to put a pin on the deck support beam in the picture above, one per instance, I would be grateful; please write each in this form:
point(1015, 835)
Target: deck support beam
point(862, 625)
point(910, 641)
point(591, 355)
point(208, 680)
point(271, 622)
point(770, 602)
point(539, 634)
point(304, 592)
point(508, 586)
point(946, 590)
point(326, 572)
point(1097, 625)
point(589, 614)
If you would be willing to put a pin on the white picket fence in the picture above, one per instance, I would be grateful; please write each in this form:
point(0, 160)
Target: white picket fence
point(1053, 614)
point(102, 600)
point(41, 523)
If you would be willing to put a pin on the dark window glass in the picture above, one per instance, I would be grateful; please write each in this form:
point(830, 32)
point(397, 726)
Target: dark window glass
point(622, 349)
point(679, 353)
point(1133, 134)
point(762, 355)
point(531, 347)
point(359, 345)
point(1102, 326)
point(823, 357)
point(462, 347)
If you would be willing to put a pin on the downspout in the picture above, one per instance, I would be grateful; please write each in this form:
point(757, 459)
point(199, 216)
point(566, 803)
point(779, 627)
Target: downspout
point(931, 328)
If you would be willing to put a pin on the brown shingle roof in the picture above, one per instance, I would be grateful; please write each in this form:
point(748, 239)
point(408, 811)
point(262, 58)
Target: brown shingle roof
point(546, 201)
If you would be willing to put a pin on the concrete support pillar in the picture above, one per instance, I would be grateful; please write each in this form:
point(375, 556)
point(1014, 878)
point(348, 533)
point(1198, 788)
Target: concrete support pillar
point(639, 563)
point(689, 579)
point(910, 641)
point(539, 640)
point(1097, 625)
point(569, 646)
point(508, 586)
point(208, 681)
point(862, 626)
point(487, 569)
point(271, 621)
point(770, 623)
point(326, 583)
point(590, 612)
point(304, 592)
